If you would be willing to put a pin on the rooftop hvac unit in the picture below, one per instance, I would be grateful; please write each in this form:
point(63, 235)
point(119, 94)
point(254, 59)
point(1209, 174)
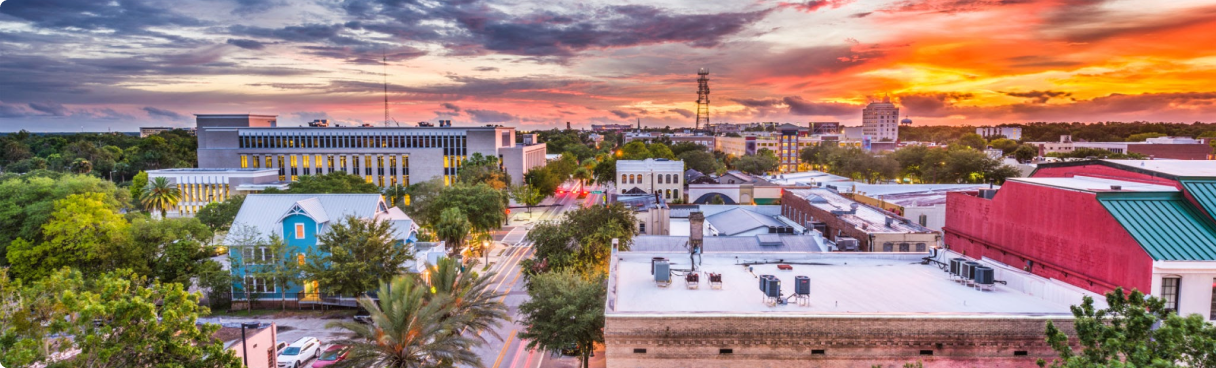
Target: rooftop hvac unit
point(985, 277)
point(846, 243)
point(969, 271)
point(956, 266)
point(764, 283)
point(662, 272)
point(802, 285)
point(774, 288)
point(653, 261)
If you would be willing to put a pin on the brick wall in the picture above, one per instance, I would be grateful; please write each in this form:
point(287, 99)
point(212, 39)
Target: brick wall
point(827, 341)
point(798, 209)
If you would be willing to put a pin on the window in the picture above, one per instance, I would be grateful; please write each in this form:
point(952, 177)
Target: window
point(299, 231)
point(642, 228)
point(726, 351)
point(926, 352)
point(1212, 313)
point(904, 247)
point(244, 161)
point(300, 258)
point(888, 247)
point(259, 285)
point(256, 255)
point(920, 247)
point(1169, 292)
point(819, 352)
point(924, 219)
point(639, 351)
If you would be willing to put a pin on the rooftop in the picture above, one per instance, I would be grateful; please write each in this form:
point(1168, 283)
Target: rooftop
point(1092, 184)
point(739, 220)
point(650, 164)
point(867, 218)
point(805, 178)
point(841, 284)
point(263, 212)
point(1179, 168)
point(729, 244)
point(191, 170)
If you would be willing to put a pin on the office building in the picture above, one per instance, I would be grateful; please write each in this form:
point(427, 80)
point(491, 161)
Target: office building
point(1014, 133)
point(198, 187)
point(385, 156)
point(880, 121)
point(1099, 225)
point(1175, 148)
point(652, 175)
point(821, 128)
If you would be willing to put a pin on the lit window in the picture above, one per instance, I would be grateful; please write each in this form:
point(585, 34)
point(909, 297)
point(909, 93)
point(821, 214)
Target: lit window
point(299, 231)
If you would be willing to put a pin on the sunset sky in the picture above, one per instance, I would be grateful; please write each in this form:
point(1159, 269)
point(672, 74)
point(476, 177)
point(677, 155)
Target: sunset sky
point(68, 65)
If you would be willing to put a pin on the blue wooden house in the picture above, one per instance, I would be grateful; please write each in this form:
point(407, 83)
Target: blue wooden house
point(299, 219)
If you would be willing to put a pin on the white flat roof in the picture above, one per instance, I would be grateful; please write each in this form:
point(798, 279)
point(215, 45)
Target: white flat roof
point(1185, 168)
point(867, 218)
point(650, 164)
point(1091, 184)
point(841, 284)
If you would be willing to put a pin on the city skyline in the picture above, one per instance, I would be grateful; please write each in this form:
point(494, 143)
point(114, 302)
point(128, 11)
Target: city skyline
point(86, 65)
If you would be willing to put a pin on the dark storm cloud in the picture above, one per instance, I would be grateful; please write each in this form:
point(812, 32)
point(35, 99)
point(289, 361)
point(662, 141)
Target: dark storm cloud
point(12, 111)
point(450, 106)
point(155, 112)
point(621, 114)
point(49, 108)
point(1038, 96)
point(683, 112)
point(246, 44)
point(758, 102)
point(547, 34)
point(124, 17)
point(490, 116)
point(931, 104)
point(816, 60)
point(799, 106)
point(367, 54)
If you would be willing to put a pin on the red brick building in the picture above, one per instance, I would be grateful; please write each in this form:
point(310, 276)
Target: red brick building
point(1101, 224)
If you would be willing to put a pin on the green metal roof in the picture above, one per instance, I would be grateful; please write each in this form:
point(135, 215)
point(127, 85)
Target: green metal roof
point(1165, 224)
point(1204, 192)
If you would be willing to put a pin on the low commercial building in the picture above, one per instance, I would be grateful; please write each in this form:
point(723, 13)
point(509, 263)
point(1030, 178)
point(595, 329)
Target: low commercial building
point(653, 175)
point(874, 229)
point(1014, 133)
point(651, 211)
point(924, 204)
point(667, 307)
point(1101, 224)
point(1175, 148)
point(199, 187)
point(611, 127)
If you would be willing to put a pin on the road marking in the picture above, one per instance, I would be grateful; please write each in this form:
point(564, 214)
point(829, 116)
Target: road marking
point(509, 287)
point(504, 349)
point(513, 261)
point(541, 360)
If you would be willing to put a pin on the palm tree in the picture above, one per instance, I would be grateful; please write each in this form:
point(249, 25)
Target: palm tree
point(582, 174)
point(473, 302)
point(408, 329)
point(160, 195)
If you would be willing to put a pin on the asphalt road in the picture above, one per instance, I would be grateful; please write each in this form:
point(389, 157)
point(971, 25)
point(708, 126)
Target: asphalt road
point(511, 351)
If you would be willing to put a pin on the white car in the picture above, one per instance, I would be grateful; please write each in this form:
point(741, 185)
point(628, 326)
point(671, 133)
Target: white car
point(299, 352)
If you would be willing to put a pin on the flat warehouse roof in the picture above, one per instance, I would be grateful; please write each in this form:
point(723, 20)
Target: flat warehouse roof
point(841, 283)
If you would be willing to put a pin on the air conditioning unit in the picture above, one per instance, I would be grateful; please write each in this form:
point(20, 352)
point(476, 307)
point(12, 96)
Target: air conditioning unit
point(802, 285)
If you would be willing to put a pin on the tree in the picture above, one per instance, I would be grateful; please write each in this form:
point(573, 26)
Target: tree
point(137, 185)
point(581, 238)
point(1127, 334)
point(169, 250)
point(717, 199)
point(1025, 153)
point(702, 161)
point(453, 228)
point(1006, 145)
point(333, 182)
point(760, 163)
point(635, 150)
point(28, 201)
point(283, 269)
point(114, 321)
point(420, 198)
point(410, 328)
point(659, 150)
point(471, 297)
point(80, 229)
point(543, 179)
point(1141, 137)
point(354, 255)
point(160, 195)
point(395, 194)
point(605, 171)
point(485, 207)
point(528, 196)
point(81, 166)
point(565, 309)
point(219, 215)
point(483, 169)
point(582, 175)
point(975, 141)
point(679, 149)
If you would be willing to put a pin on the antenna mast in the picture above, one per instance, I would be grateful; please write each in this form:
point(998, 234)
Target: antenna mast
point(384, 55)
point(702, 98)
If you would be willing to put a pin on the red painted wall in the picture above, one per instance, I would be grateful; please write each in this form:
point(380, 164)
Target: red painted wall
point(1068, 235)
point(1102, 171)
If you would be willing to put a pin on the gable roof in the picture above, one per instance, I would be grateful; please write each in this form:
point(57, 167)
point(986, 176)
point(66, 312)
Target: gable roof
point(1164, 224)
point(738, 220)
point(265, 212)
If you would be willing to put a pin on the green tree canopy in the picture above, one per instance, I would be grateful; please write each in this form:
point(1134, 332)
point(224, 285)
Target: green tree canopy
point(483, 169)
point(27, 202)
point(333, 182)
point(1025, 153)
point(355, 255)
point(763, 162)
point(581, 238)
point(565, 309)
point(453, 228)
point(702, 161)
point(1004, 144)
point(79, 232)
point(160, 195)
point(972, 140)
point(114, 320)
point(219, 215)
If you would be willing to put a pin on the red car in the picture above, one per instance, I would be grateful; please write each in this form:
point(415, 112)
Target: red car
point(332, 354)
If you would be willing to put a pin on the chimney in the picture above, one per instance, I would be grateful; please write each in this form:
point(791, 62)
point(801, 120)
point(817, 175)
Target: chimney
point(696, 234)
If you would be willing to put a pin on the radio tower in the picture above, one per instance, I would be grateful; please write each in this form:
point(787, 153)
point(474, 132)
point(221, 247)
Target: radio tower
point(702, 98)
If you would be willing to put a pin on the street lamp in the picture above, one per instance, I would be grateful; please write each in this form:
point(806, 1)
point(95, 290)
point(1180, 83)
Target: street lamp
point(485, 248)
point(245, 349)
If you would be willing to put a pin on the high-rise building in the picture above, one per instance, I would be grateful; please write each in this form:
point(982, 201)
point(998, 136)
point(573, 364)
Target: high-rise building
point(385, 156)
point(880, 120)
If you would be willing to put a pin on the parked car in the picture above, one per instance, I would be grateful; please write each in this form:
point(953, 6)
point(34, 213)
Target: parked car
point(332, 354)
point(362, 316)
point(299, 352)
point(279, 346)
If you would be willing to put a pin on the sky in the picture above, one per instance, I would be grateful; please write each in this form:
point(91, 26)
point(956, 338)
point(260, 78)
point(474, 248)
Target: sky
point(98, 65)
